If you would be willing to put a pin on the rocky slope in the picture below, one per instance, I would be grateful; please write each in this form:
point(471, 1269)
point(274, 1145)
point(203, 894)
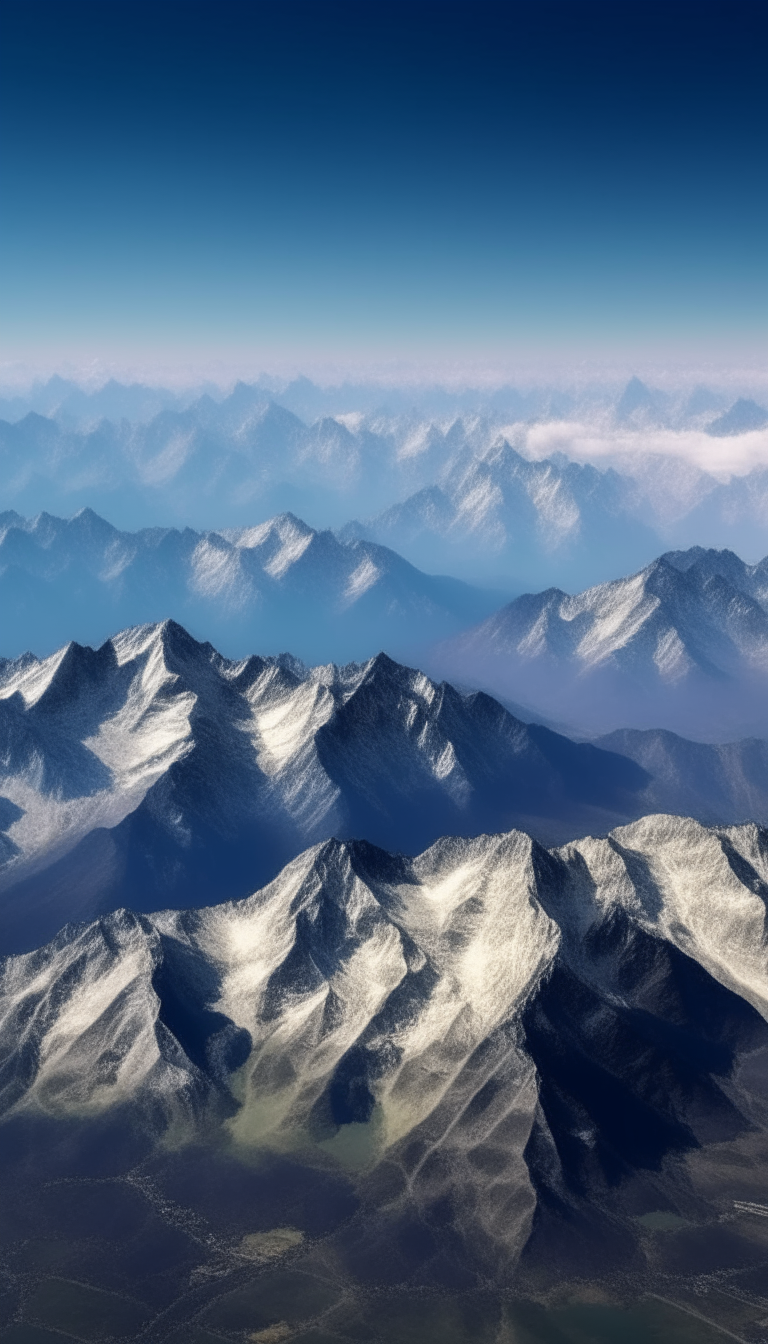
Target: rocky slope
point(153, 770)
point(494, 512)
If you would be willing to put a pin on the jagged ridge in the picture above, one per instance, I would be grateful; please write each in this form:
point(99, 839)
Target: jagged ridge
point(153, 771)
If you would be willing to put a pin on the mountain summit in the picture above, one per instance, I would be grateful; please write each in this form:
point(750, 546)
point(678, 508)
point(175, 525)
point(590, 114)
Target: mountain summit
point(153, 770)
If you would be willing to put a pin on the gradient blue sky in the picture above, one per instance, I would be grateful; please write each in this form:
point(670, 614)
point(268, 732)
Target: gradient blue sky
point(383, 180)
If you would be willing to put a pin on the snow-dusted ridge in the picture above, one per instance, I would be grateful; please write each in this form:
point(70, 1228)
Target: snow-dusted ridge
point(516, 487)
point(419, 959)
point(153, 771)
point(681, 645)
point(275, 585)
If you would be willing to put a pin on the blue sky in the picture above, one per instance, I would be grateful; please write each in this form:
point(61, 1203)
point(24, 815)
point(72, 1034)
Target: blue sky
point(373, 180)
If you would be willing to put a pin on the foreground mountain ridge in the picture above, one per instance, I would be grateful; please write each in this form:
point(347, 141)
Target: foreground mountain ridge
point(518, 1031)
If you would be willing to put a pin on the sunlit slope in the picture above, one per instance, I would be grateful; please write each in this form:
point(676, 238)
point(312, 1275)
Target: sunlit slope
point(682, 645)
point(515, 1031)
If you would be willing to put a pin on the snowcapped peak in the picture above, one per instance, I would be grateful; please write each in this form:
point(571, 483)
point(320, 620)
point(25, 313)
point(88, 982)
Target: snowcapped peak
point(379, 990)
point(666, 646)
point(159, 745)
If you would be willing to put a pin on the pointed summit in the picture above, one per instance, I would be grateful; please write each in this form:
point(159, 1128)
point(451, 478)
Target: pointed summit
point(635, 398)
point(745, 415)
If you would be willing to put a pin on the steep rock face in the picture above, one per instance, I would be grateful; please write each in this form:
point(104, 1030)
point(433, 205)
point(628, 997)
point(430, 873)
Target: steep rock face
point(676, 646)
point(153, 770)
point(513, 1039)
point(277, 585)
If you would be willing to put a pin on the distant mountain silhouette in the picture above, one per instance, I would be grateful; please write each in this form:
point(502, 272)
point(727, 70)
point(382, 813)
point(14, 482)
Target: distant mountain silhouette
point(743, 416)
point(681, 645)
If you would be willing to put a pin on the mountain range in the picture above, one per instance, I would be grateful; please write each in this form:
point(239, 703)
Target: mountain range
point(153, 771)
point(411, 985)
point(476, 493)
point(495, 509)
point(76, 406)
point(682, 645)
point(490, 1063)
point(273, 586)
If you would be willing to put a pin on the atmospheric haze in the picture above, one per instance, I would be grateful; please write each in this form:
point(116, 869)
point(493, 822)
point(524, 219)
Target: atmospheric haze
point(383, 672)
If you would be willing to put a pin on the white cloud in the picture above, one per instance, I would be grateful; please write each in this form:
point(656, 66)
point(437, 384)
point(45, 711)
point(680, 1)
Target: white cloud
point(629, 449)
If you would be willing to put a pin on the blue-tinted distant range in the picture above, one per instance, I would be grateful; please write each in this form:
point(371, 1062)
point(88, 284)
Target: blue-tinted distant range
point(383, 672)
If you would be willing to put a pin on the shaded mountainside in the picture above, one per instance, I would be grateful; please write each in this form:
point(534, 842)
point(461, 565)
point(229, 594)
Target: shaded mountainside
point(152, 770)
point(508, 1060)
point(710, 782)
point(278, 585)
point(683, 645)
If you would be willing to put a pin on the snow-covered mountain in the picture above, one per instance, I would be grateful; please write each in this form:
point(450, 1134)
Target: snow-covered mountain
point(495, 511)
point(274, 586)
point(682, 645)
point(74, 406)
point(153, 770)
point(508, 1050)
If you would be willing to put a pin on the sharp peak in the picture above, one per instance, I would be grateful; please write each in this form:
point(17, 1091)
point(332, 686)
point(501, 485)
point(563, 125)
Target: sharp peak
point(278, 519)
point(381, 662)
point(89, 515)
point(663, 565)
point(551, 594)
point(169, 634)
point(289, 517)
point(274, 410)
point(77, 664)
point(176, 636)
